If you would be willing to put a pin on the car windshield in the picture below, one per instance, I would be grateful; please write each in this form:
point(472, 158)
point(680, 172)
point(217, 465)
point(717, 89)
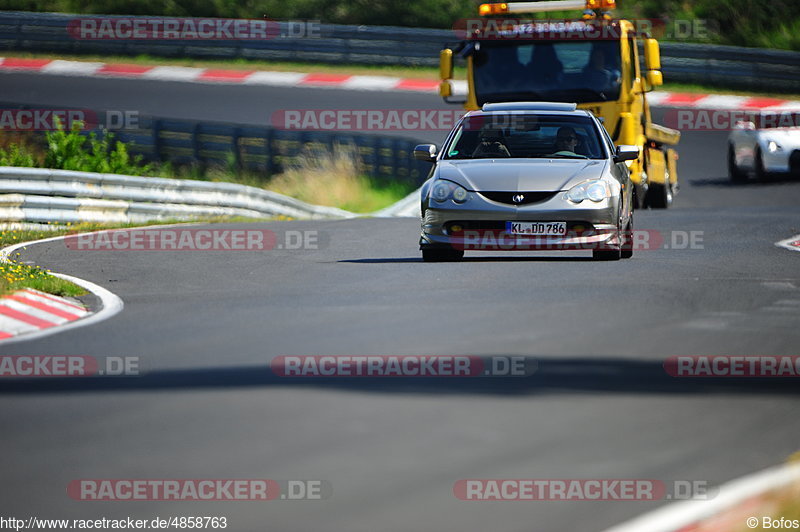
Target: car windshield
point(526, 136)
point(571, 71)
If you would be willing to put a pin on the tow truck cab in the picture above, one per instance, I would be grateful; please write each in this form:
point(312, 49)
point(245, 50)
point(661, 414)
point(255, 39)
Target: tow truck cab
point(594, 62)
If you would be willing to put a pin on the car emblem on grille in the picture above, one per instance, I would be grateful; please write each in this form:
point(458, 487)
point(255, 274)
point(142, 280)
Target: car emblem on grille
point(518, 198)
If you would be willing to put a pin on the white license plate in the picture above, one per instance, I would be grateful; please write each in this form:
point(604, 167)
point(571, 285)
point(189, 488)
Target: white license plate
point(537, 228)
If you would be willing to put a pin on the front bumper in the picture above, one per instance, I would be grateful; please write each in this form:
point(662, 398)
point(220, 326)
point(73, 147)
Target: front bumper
point(782, 161)
point(479, 224)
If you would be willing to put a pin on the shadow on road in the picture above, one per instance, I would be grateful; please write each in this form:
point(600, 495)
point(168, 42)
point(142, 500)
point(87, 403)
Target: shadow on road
point(778, 179)
point(553, 376)
point(511, 257)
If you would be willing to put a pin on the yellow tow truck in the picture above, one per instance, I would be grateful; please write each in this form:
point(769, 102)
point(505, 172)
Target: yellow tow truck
point(593, 61)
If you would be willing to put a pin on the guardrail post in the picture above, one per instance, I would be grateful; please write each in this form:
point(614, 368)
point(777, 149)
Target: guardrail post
point(269, 148)
point(196, 142)
point(157, 139)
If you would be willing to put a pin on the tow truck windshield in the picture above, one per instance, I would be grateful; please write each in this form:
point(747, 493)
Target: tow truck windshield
point(567, 71)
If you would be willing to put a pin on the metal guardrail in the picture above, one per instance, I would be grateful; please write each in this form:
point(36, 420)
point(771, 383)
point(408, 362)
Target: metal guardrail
point(731, 66)
point(266, 149)
point(728, 66)
point(42, 195)
point(333, 43)
point(260, 149)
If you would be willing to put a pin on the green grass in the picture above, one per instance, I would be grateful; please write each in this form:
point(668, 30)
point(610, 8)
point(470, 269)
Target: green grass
point(378, 195)
point(15, 275)
point(318, 177)
point(336, 179)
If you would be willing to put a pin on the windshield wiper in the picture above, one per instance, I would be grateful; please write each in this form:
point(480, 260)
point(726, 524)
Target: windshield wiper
point(564, 156)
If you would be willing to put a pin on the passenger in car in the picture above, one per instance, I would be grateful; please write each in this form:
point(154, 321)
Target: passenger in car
point(491, 143)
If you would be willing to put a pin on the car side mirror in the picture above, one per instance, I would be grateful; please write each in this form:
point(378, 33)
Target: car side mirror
point(626, 152)
point(745, 124)
point(425, 152)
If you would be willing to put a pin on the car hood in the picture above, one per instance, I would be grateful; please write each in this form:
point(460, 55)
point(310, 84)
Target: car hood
point(788, 138)
point(524, 175)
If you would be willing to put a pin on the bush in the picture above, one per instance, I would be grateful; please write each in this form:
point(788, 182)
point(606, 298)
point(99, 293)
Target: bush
point(69, 150)
point(73, 151)
point(16, 156)
point(767, 23)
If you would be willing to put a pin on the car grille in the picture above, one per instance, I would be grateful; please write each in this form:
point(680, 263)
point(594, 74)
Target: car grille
point(508, 197)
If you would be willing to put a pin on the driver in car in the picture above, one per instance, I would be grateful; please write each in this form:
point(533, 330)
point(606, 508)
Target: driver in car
point(566, 141)
point(598, 73)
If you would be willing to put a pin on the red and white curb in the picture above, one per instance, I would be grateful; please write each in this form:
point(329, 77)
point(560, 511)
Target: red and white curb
point(732, 509)
point(341, 81)
point(792, 244)
point(30, 310)
point(30, 314)
point(210, 75)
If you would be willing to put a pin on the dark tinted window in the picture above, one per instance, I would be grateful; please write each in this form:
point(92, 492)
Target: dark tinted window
point(526, 135)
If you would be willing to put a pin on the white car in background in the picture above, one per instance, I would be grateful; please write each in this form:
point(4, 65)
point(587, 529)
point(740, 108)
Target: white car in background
point(763, 151)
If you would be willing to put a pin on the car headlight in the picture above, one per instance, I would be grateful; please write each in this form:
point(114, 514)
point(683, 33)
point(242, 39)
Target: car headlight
point(440, 192)
point(595, 190)
point(773, 146)
point(444, 190)
point(460, 194)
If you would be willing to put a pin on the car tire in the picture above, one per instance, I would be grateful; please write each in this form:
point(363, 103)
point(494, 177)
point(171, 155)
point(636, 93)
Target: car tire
point(626, 251)
point(736, 174)
point(442, 255)
point(761, 172)
point(606, 254)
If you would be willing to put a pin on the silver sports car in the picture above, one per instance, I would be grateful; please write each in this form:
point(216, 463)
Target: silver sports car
point(527, 176)
point(764, 147)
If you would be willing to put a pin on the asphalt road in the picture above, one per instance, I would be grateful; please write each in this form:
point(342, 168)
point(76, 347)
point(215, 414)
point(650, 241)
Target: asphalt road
point(206, 324)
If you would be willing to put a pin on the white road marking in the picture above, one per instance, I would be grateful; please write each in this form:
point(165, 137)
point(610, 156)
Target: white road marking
point(678, 516)
point(72, 68)
point(371, 83)
point(792, 243)
point(279, 79)
point(170, 73)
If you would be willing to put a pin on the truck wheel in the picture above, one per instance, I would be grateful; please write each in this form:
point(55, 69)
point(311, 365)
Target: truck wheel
point(736, 174)
point(660, 196)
